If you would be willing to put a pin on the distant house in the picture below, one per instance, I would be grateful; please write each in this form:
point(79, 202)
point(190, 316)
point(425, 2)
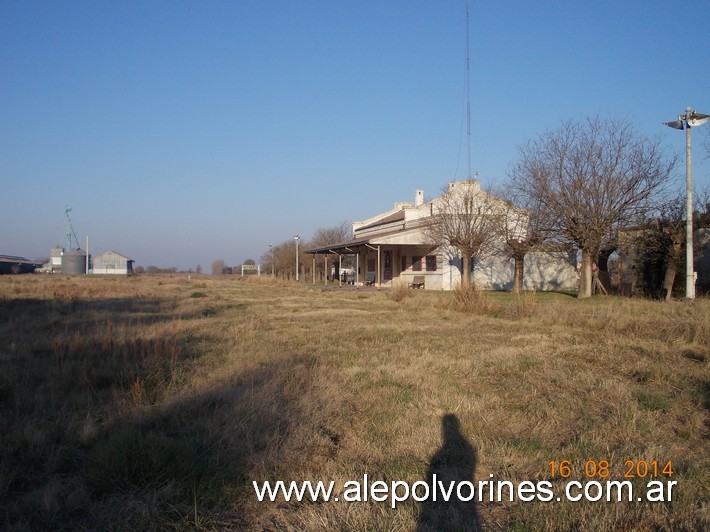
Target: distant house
point(393, 247)
point(112, 263)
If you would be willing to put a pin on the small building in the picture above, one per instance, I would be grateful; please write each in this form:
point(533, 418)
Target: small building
point(112, 263)
point(394, 247)
point(55, 260)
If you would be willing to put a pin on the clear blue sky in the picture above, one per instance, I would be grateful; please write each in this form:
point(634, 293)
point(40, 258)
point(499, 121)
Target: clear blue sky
point(181, 132)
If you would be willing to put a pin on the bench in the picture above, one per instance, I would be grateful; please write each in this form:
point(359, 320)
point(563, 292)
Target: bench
point(417, 281)
point(369, 278)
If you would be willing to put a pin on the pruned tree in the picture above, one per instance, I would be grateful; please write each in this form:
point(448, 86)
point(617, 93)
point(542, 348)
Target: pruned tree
point(467, 219)
point(523, 230)
point(667, 239)
point(591, 177)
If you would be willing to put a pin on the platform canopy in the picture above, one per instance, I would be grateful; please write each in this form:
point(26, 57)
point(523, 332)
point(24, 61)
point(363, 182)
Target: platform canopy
point(348, 247)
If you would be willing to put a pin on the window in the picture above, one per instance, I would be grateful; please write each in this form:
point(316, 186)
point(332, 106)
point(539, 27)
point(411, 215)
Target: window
point(431, 263)
point(370, 265)
point(404, 263)
point(416, 264)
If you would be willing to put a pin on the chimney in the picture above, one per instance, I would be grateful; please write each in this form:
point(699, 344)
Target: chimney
point(418, 198)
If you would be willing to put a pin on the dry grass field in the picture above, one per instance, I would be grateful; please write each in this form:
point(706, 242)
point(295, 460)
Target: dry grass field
point(153, 402)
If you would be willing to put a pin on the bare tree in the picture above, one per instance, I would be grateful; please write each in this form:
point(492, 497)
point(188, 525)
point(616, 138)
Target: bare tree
point(282, 258)
point(523, 231)
point(467, 219)
point(331, 235)
point(590, 177)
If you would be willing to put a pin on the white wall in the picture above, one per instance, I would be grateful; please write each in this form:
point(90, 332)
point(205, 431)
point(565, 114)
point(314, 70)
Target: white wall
point(550, 271)
point(110, 263)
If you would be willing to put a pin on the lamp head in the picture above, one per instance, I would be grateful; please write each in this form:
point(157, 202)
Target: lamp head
point(676, 124)
point(697, 119)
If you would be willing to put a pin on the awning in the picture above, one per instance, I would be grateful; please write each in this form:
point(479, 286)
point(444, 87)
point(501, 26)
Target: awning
point(412, 236)
point(349, 247)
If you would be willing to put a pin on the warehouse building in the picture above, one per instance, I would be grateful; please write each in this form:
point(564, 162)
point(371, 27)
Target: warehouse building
point(112, 263)
point(13, 265)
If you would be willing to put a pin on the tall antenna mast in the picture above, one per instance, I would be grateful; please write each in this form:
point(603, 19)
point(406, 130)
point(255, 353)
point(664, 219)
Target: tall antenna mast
point(70, 229)
point(468, 91)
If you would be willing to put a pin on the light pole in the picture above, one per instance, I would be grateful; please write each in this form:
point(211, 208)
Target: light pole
point(273, 264)
point(296, 238)
point(686, 121)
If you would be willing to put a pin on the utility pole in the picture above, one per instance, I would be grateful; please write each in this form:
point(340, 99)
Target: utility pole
point(686, 121)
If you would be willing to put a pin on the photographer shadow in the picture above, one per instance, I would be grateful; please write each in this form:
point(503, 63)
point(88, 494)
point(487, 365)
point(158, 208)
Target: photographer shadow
point(454, 461)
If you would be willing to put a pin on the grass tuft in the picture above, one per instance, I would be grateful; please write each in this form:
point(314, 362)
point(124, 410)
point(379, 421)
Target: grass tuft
point(135, 459)
point(652, 401)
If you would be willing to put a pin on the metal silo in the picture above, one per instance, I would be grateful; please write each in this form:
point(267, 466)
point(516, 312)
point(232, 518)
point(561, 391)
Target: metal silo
point(74, 262)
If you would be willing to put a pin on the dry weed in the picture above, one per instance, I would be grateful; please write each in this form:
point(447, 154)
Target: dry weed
point(474, 300)
point(399, 292)
point(523, 306)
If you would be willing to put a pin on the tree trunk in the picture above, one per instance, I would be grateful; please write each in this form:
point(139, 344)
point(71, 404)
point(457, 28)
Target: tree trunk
point(603, 264)
point(465, 270)
point(585, 276)
point(519, 272)
point(669, 279)
point(671, 269)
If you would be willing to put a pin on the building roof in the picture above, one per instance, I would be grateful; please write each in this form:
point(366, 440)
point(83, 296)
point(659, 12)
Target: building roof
point(401, 235)
point(17, 260)
point(394, 217)
point(112, 252)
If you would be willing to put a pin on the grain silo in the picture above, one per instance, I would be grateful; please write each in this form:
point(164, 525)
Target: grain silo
point(74, 262)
